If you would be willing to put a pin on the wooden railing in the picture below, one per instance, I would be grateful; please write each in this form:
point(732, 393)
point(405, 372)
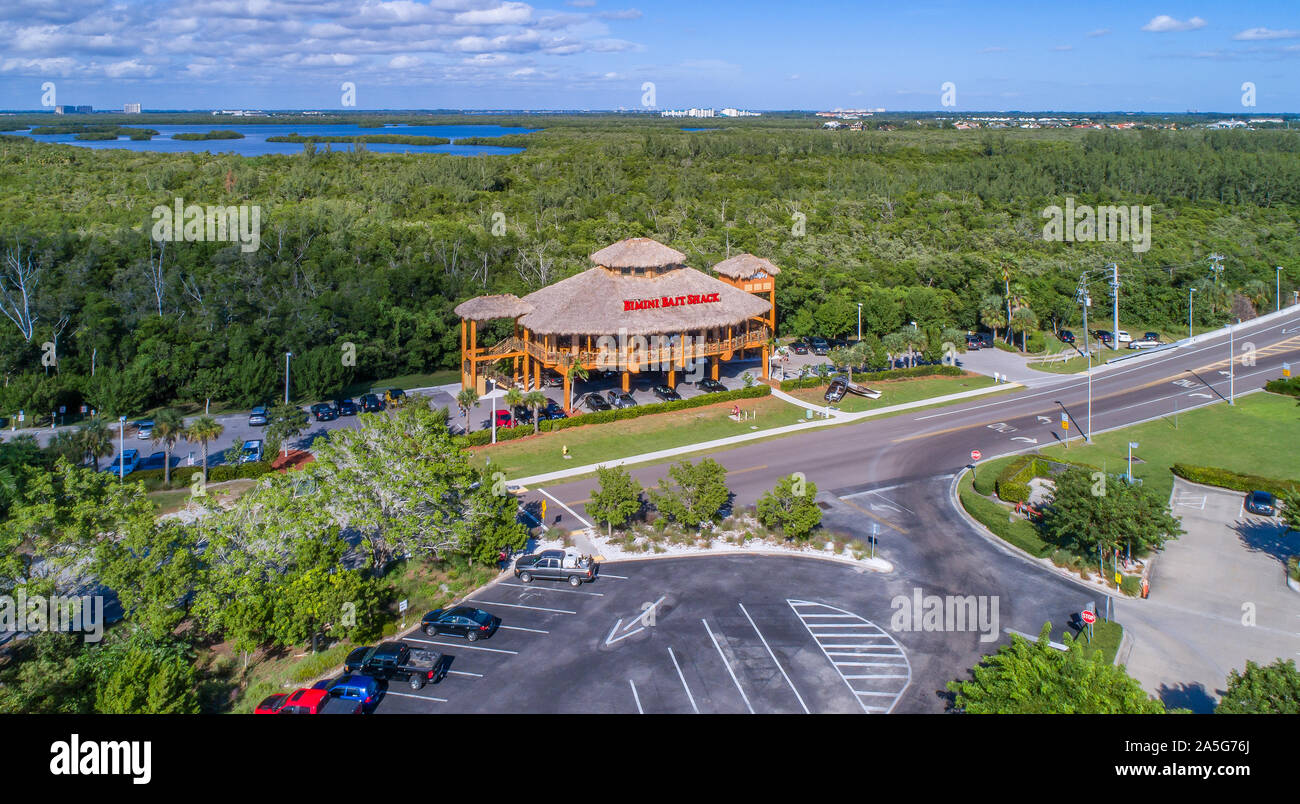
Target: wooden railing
point(662, 356)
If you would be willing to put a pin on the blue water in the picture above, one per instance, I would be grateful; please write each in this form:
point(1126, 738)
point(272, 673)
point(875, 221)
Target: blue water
point(699, 129)
point(254, 142)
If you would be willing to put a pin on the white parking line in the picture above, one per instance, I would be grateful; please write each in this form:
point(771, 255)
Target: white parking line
point(418, 697)
point(550, 589)
point(774, 660)
point(877, 685)
point(636, 698)
point(730, 672)
point(673, 656)
point(521, 606)
point(464, 673)
point(619, 577)
point(464, 645)
point(567, 508)
point(521, 628)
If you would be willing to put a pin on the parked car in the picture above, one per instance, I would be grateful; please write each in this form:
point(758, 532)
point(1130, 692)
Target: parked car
point(1262, 503)
point(1124, 337)
point(974, 343)
point(361, 689)
point(345, 407)
point(251, 452)
point(1144, 344)
point(799, 348)
point(370, 403)
point(552, 411)
point(304, 702)
point(820, 347)
point(665, 394)
point(556, 565)
point(709, 386)
point(595, 403)
point(523, 414)
point(505, 419)
point(271, 704)
point(1065, 336)
point(324, 412)
point(259, 417)
point(396, 661)
point(466, 621)
point(620, 399)
point(3, 422)
point(838, 343)
point(394, 396)
point(1151, 336)
point(333, 705)
point(125, 463)
point(551, 379)
point(144, 428)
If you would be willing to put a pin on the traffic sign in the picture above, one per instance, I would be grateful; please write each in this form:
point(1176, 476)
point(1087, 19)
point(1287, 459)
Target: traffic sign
point(974, 455)
point(401, 606)
point(1089, 617)
point(1286, 369)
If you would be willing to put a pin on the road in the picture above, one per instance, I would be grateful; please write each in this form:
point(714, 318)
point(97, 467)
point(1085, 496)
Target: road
point(927, 443)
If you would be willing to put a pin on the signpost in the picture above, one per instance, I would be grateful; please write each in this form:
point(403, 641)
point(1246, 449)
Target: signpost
point(974, 459)
point(1089, 617)
point(401, 608)
point(1286, 369)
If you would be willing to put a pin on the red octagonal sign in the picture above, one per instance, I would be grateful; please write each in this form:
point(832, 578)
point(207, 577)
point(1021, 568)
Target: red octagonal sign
point(974, 455)
point(1089, 617)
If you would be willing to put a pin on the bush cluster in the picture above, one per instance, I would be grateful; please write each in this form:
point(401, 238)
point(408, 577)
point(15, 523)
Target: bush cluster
point(1214, 476)
point(875, 376)
point(181, 475)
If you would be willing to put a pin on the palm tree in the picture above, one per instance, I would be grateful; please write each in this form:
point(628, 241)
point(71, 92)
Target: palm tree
point(96, 440)
point(894, 343)
point(168, 428)
point(992, 313)
point(465, 401)
point(1024, 320)
point(204, 429)
point(513, 399)
point(67, 445)
point(577, 371)
point(535, 400)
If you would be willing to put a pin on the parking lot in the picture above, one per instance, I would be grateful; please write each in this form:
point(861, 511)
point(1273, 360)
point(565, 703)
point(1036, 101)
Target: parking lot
point(693, 635)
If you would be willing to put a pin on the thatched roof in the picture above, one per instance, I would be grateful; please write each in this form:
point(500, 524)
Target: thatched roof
point(486, 308)
point(743, 266)
point(638, 252)
point(592, 303)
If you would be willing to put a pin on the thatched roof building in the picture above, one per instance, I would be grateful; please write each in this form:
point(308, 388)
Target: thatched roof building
point(487, 308)
point(638, 252)
point(745, 266)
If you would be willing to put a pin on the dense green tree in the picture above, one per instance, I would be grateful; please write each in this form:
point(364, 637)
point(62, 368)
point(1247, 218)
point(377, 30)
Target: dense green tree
point(791, 506)
point(618, 498)
point(1091, 510)
point(693, 494)
point(1270, 689)
point(1035, 678)
point(168, 428)
point(204, 430)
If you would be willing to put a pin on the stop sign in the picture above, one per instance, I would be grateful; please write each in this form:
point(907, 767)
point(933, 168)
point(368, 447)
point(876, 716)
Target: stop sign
point(1089, 617)
point(974, 455)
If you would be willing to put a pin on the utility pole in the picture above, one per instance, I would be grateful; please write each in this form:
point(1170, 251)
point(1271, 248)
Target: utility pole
point(1081, 297)
point(1114, 295)
point(1279, 288)
point(287, 355)
point(1006, 280)
point(1232, 362)
point(860, 321)
point(1190, 291)
point(1216, 266)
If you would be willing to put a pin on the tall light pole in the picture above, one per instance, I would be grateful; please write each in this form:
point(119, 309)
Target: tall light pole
point(492, 386)
point(1278, 293)
point(121, 448)
point(1132, 445)
point(1114, 295)
point(287, 354)
point(1190, 291)
point(1232, 361)
point(860, 320)
point(1082, 297)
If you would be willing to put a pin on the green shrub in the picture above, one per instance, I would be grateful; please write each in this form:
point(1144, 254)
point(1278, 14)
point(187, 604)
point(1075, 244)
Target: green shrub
point(1019, 532)
point(1291, 386)
point(1131, 585)
point(816, 381)
point(181, 475)
point(1224, 478)
point(1293, 567)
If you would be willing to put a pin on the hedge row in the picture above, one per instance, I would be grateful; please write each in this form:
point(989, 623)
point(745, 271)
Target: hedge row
point(816, 381)
point(1290, 387)
point(1017, 531)
point(153, 478)
point(1213, 476)
point(480, 437)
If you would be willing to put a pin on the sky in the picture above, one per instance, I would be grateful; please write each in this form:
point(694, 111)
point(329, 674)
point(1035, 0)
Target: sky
point(666, 54)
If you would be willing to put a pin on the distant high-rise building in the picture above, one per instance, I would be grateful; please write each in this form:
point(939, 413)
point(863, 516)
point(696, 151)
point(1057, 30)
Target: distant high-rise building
point(73, 109)
point(131, 108)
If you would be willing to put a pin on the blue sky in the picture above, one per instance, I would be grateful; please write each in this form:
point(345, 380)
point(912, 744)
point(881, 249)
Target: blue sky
point(598, 54)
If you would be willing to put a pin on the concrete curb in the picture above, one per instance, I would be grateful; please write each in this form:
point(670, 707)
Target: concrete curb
point(777, 553)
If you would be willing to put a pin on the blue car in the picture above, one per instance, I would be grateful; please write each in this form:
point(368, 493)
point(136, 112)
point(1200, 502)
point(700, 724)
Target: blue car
point(362, 689)
point(125, 463)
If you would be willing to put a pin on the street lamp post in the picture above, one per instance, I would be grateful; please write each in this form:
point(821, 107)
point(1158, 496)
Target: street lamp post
point(121, 448)
point(1132, 445)
point(492, 386)
point(1278, 293)
point(287, 355)
point(1232, 359)
point(860, 320)
point(1190, 291)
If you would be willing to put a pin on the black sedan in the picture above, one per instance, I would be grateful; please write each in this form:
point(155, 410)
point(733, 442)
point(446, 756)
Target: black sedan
point(665, 394)
point(710, 386)
point(799, 348)
point(621, 399)
point(1065, 336)
point(371, 403)
point(346, 407)
point(595, 403)
point(523, 414)
point(324, 412)
point(471, 623)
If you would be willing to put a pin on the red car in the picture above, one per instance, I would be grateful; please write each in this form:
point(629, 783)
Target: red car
point(505, 419)
point(271, 704)
point(317, 702)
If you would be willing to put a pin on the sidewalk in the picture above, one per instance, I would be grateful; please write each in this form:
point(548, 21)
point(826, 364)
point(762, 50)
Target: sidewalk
point(837, 418)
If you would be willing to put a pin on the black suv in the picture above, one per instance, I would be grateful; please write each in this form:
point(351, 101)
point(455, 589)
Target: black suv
point(620, 399)
point(799, 348)
point(710, 386)
point(820, 347)
point(371, 403)
point(595, 403)
point(323, 412)
point(1065, 336)
point(346, 407)
point(551, 565)
point(665, 394)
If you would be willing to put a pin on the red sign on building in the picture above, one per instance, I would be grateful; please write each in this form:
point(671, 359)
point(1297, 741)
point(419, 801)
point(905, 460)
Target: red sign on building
point(670, 301)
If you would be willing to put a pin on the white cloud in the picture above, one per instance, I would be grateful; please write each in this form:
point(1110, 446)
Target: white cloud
point(129, 69)
point(1098, 32)
point(404, 62)
point(1167, 24)
point(504, 14)
point(1256, 34)
point(626, 14)
point(994, 49)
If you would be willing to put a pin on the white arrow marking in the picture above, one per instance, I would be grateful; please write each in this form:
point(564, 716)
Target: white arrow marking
point(611, 639)
point(1045, 419)
point(1026, 440)
point(875, 507)
point(1206, 396)
point(1225, 373)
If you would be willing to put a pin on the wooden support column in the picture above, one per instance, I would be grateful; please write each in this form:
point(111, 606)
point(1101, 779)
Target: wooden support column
point(473, 354)
point(626, 378)
point(463, 386)
point(714, 366)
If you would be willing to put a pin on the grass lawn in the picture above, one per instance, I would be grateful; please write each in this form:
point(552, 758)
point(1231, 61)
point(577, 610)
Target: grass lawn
point(1252, 437)
point(1106, 637)
point(997, 517)
point(170, 501)
point(603, 442)
point(1077, 364)
point(897, 392)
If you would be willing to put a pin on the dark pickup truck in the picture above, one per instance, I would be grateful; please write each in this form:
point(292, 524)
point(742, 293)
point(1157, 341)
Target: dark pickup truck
point(554, 565)
point(396, 661)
